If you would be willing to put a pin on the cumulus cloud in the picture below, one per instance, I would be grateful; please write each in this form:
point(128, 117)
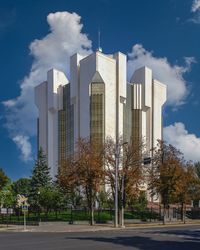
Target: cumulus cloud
point(188, 144)
point(52, 51)
point(195, 9)
point(171, 75)
point(195, 6)
point(24, 145)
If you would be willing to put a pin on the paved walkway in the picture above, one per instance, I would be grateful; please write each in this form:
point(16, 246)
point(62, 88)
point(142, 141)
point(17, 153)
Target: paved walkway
point(65, 227)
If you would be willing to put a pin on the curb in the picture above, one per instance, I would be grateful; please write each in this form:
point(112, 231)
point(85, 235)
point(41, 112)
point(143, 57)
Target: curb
point(73, 229)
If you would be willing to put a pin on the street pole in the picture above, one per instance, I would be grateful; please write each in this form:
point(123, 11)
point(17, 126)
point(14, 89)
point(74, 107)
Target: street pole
point(122, 215)
point(116, 183)
point(24, 221)
point(123, 193)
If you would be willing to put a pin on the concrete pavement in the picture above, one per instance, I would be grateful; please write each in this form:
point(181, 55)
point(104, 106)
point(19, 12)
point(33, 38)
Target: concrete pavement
point(66, 227)
point(168, 238)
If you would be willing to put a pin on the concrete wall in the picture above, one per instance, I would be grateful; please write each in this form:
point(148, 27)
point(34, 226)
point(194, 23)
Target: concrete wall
point(150, 100)
point(41, 103)
point(112, 70)
point(48, 98)
point(142, 93)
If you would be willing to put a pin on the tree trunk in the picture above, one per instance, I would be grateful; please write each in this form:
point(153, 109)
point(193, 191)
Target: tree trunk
point(92, 214)
point(183, 209)
point(164, 214)
point(121, 217)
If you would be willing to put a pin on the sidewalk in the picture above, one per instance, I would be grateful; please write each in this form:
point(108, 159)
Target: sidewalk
point(65, 227)
point(56, 227)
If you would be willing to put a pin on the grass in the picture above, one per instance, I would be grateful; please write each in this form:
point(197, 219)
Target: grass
point(80, 215)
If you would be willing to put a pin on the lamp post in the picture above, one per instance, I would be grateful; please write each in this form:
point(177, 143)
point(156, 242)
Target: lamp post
point(122, 209)
point(117, 156)
point(123, 191)
point(116, 183)
point(38, 203)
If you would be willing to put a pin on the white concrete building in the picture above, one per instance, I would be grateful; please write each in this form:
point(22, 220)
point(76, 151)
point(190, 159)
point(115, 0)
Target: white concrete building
point(97, 102)
point(145, 98)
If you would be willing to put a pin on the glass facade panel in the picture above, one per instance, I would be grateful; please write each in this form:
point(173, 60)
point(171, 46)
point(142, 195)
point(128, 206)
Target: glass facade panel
point(136, 127)
point(97, 112)
point(66, 126)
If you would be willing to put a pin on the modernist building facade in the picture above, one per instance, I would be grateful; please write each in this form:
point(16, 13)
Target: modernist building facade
point(97, 101)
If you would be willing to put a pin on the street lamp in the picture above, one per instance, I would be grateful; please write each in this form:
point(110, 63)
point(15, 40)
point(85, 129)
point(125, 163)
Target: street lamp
point(117, 155)
point(38, 203)
point(122, 209)
point(116, 183)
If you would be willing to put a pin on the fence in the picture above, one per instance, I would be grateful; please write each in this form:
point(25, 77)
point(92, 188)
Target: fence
point(153, 213)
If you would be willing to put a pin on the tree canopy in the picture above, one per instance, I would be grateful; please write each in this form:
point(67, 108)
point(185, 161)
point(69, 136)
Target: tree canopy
point(3, 179)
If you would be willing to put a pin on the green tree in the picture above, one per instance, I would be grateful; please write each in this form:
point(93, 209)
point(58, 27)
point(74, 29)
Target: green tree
point(50, 198)
point(40, 179)
point(22, 186)
point(3, 179)
point(7, 197)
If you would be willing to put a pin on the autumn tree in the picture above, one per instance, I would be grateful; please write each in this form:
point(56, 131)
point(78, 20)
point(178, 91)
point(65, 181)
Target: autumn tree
point(188, 188)
point(196, 197)
point(69, 181)
point(197, 169)
point(131, 171)
point(166, 173)
point(84, 171)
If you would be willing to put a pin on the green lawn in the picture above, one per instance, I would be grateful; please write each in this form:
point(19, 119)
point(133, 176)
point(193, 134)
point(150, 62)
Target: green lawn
point(80, 215)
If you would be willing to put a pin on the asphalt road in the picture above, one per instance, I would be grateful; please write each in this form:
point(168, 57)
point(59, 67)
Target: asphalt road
point(172, 238)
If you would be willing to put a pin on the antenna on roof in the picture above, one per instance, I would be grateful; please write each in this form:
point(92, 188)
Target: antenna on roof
point(99, 41)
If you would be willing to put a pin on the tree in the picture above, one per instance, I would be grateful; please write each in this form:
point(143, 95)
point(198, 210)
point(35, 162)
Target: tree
point(22, 186)
point(40, 179)
point(165, 174)
point(197, 168)
point(3, 179)
point(131, 172)
point(188, 189)
point(50, 198)
point(104, 199)
point(84, 171)
point(191, 184)
point(7, 197)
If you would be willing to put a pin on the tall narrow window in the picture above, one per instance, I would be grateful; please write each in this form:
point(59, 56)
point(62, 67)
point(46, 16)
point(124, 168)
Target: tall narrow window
point(136, 128)
point(66, 126)
point(97, 113)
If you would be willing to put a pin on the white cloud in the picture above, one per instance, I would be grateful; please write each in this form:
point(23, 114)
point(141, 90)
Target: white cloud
point(195, 6)
point(24, 145)
point(52, 51)
point(171, 75)
point(195, 9)
point(188, 144)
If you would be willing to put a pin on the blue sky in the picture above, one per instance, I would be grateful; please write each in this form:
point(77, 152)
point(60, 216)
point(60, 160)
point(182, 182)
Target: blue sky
point(36, 35)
